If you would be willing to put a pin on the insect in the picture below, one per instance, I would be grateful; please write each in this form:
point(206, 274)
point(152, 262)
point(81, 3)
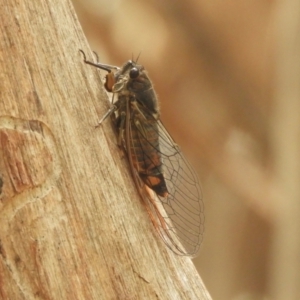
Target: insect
point(164, 179)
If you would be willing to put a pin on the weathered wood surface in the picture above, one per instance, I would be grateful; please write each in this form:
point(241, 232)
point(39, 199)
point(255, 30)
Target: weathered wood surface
point(71, 223)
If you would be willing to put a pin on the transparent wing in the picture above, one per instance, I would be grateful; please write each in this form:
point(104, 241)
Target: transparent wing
point(178, 217)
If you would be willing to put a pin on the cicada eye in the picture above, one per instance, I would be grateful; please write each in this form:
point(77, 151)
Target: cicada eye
point(134, 73)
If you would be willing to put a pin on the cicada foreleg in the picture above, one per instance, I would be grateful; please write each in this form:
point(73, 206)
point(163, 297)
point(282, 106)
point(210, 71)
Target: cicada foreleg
point(107, 68)
point(114, 106)
point(107, 114)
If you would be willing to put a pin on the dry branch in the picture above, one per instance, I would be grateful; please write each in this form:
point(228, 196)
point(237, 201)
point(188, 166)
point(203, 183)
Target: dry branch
point(71, 223)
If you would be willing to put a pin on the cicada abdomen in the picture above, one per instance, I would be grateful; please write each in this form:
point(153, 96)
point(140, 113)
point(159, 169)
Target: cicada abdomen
point(145, 150)
point(167, 184)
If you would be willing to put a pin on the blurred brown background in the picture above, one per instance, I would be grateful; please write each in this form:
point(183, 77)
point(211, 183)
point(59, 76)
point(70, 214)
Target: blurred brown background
point(226, 74)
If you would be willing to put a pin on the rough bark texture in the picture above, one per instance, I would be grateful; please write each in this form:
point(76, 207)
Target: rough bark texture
point(71, 223)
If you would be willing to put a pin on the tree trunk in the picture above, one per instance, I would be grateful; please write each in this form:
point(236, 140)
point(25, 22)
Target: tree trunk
point(72, 225)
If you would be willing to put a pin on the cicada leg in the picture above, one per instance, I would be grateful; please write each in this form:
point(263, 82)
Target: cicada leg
point(107, 68)
point(107, 114)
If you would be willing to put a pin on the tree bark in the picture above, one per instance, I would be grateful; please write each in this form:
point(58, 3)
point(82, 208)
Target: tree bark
point(72, 225)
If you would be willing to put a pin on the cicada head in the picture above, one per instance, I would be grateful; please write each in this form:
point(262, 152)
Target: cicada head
point(131, 76)
point(132, 79)
point(136, 76)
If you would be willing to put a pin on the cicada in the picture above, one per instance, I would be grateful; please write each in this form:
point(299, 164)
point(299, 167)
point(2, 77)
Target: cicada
point(166, 182)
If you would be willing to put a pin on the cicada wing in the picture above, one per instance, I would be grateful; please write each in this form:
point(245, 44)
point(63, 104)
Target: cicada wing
point(184, 204)
point(178, 216)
